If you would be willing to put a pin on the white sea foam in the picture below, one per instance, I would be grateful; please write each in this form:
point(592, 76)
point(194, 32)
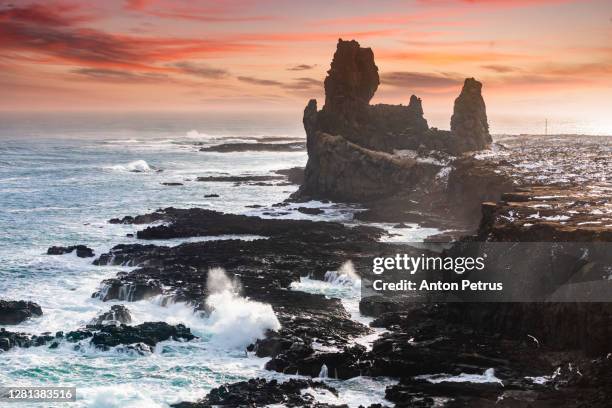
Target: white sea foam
point(487, 377)
point(137, 166)
point(355, 392)
point(118, 396)
point(345, 275)
point(235, 321)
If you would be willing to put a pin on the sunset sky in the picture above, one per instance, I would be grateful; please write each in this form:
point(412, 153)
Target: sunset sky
point(548, 58)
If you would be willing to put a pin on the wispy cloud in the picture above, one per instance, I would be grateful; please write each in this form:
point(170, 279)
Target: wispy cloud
point(301, 67)
point(59, 37)
point(209, 12)
point(302, 84)
point(201, 70)
point(113, 75)
point(259, 81)
point(495, 3)
point(501, 69)
point(419, 80)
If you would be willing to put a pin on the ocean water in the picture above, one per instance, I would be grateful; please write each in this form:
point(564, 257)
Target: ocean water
point(62, 177)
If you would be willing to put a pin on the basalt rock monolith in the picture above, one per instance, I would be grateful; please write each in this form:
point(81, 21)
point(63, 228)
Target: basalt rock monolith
point(351, 81)
point(469, 125)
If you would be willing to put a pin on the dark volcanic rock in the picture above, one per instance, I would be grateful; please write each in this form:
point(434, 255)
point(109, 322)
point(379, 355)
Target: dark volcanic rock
point(149, 333)
point(351, 81)
point(116, 314)
point(16, 311)
point(310, 211)
point(139, 219)
point(9, 339)
point(240, 179)
point(133, 291)
point(259, 393)
point(255, 147)
point(81, 250)
point(386, 156)
point(201, 222)
point(295, 175)
point(265, 269)
point(300, 359)
point(377, 305)
point(469, 123)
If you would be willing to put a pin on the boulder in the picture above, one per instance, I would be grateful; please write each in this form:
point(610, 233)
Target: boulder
point(117, 314)
point(149, 333)
point(16, 311)
point(81, 250)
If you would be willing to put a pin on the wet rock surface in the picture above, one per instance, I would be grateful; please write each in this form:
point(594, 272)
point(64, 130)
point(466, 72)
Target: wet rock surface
point(240, 179)
point(81, 251)
point(141, 338)
point(117, 314)
point(265, 269)
point(295, 175)
point(255, 147)
point(259, 392)
point(17, 311)
point(201, 222)
point(9, 339)
point(150, 333)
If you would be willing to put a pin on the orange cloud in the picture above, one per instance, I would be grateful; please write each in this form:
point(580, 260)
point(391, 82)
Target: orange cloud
point(497, 3)
point(47, 33)
point(431, 57)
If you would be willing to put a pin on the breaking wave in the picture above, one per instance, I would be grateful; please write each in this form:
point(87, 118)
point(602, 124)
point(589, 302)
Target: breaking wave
point(235, 321)
point(345, 275)
point(137, 166)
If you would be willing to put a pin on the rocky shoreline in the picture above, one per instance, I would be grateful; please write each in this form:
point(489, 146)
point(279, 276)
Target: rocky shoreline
point(387, 159)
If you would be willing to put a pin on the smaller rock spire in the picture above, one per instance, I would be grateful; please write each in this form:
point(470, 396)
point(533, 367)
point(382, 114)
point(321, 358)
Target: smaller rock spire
point(469, 123)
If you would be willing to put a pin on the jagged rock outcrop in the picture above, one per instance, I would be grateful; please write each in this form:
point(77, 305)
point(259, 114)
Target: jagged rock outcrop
point(259, 392)
point(16, 311)
point(81, 250)
point(367, 153)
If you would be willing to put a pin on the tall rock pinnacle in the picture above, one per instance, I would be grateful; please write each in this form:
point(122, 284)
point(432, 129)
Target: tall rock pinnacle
point(352, 79)
point(469, 123)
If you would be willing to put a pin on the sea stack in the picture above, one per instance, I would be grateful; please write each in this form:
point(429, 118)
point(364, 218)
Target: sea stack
point(351, 81)
point(357, 151)
point(469, 123)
